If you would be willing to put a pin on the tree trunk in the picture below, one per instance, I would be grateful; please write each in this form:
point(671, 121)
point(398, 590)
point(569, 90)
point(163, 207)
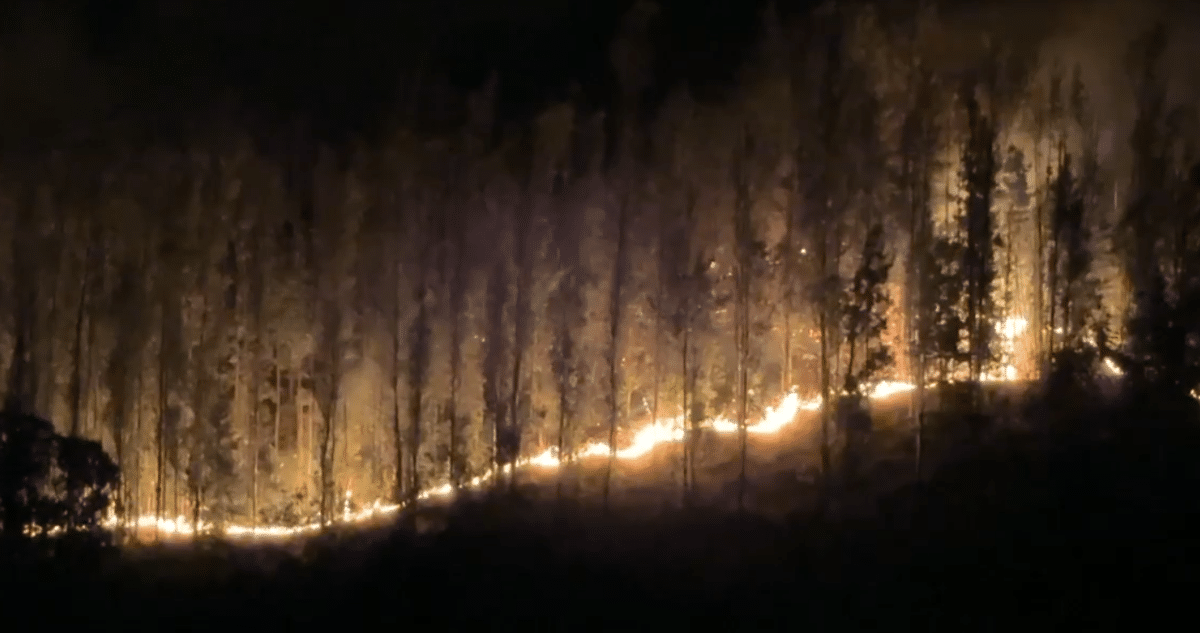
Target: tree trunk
point(255, 416)
point(615, 316)
point(825, 378)
point(416, 395)
point(161, 427)
point(277, 414)
point(688, 431)
point(743, 396)
point(1039, 254)
point(789, 301)
point(397, 432)
point(456, 307)
point(77, 387)
point(565, 377)
point(744, 237)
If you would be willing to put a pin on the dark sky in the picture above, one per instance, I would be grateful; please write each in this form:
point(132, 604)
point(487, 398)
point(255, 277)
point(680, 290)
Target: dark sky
point(340, 62)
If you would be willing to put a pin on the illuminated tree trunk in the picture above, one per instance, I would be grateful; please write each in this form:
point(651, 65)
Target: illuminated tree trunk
point(77, 388)
point(1039, 251)
point(457, 300)
point(744, 237)
point(521, 341)
point(492, 367)
point(418, 362)
point(397, 432)
point(161, 426)
point(277, 414)
point(657, 344)
point(825, 378)
point(614, 345)
point(566, 300)
point(258, 297)
point(689, 427)
point(255, 421)
point(789, 295)
point(1052, 345)
point(979, 267)
point(565, 361)
point(77, 378)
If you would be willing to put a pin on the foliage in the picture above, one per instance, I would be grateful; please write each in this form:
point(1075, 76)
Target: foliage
point(48, 480)
point(864, 316)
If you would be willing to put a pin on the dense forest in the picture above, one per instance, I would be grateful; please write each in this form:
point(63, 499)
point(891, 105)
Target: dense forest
point(258, 339)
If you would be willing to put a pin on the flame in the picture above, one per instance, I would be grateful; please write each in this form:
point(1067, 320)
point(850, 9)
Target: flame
point(1112, 367)
point(647, 436)
point(645, 439)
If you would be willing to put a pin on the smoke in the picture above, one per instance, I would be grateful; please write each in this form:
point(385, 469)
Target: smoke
point(1096, 35)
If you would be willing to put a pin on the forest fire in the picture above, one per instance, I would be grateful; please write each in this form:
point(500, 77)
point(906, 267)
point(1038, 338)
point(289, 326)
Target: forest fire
point(646, 436)
point(645, 439)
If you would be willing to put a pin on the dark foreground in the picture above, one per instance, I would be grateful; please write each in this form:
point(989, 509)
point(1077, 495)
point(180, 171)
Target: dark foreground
point(1075, 533)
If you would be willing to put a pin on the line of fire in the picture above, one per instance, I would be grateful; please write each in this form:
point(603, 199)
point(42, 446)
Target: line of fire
point(886, 234)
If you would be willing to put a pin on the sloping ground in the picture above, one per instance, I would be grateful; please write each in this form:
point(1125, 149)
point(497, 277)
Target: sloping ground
point(781, 469)
point(1072, 533)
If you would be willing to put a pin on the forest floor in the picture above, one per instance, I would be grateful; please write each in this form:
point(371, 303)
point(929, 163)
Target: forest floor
point(1074, 533)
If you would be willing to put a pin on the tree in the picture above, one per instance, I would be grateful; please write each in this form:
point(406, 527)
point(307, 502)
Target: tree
point(456, 279)
point(918, 144)
point(337, 205)
point(630, 56)
point(864, 320)
point(496, 350)
point(616, 302)
point(979, 269)
point(750, 253)
point(48, 481)
point(419, 335)
point(864, 317)
point(523, 262)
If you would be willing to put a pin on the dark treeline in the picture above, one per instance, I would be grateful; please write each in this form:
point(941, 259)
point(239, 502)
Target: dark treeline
point(258, 339)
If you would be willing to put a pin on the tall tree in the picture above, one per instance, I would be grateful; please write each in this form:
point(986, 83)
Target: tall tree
point(979, 268)
point(746, 247)
point(630, 56)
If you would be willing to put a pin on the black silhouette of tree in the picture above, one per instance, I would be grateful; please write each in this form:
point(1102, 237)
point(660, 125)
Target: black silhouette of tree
point(49, 483)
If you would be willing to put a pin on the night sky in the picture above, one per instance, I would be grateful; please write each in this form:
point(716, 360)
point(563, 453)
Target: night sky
point(340, 65)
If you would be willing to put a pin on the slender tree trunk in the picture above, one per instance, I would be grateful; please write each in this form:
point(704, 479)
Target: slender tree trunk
point(1039, 253)
point(136, 505)
point(615, 316)
point(255, 417)
point(277, 414)
point(329, 434)
point(824, 368)
point(397, 433)
point(456, 307)
point(1053, 299)
point(416, 396)
point(563, 405)
point(743, 234)
point(520, 343)
point(235, 408)
point(657, 353)
point(689, 431)
point(921, 237)
point(161, 426)
point(743, 395)
point(789, 299)
point(566, 375)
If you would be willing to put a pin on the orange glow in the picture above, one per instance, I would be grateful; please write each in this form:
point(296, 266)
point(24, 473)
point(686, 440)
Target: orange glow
point(645, 438)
